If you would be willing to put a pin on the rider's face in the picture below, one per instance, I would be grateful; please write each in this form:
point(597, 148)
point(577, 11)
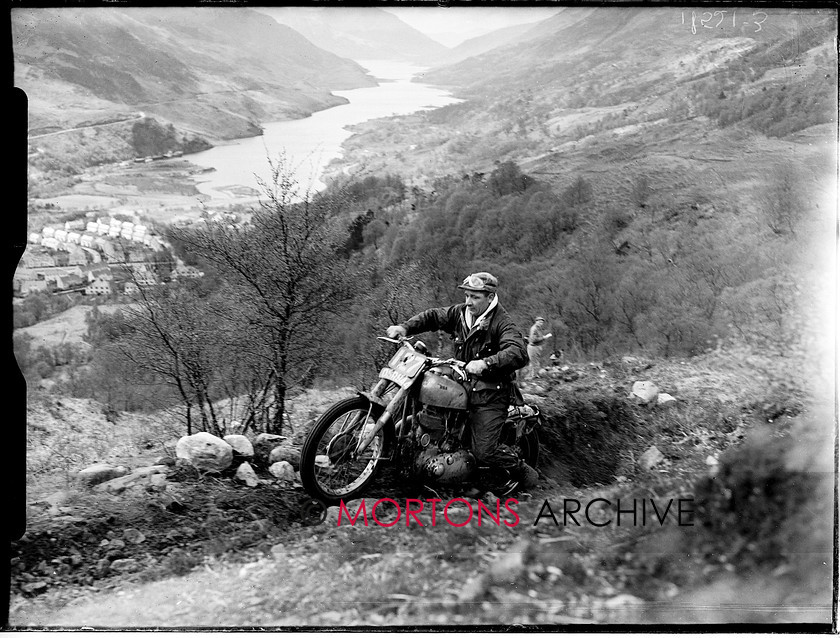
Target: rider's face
point(477, 302)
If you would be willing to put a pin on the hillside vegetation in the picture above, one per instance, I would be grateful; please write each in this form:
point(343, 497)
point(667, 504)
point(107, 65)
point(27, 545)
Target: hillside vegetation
point(665, 198)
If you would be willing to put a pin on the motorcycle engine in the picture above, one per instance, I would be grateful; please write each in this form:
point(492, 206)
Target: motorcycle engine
point(442, 458)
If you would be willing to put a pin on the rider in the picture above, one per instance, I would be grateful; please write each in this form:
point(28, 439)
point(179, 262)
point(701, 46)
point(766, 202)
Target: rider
point(493, 347)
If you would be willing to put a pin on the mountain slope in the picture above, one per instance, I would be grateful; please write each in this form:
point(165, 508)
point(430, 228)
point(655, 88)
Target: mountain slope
point(359, 33)
point(217, 71)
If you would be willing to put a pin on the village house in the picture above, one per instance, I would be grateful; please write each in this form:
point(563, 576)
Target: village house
point(186, 272)
point(99, 286)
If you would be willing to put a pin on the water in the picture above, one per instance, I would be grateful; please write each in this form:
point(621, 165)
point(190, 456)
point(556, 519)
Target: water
point(309, 144)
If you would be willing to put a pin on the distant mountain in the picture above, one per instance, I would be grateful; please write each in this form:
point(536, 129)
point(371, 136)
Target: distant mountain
point(359, 33)
point(218, 72)
point(484, 43)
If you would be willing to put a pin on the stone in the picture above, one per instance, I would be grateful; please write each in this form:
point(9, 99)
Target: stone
point(240, 444)
point(169, 461)
point(651, 458)
point(245, 473)
point(285, 453)
point(205, 452)
point(646, 391)
point(158, 481)
point(99, 473)
point(134, 536)
point(145, 472)
point(663, 398)
point(283, 470)
point(264, 443)
point(119, 485)
point(624, 608)
point(34, 588)
point(124, 565)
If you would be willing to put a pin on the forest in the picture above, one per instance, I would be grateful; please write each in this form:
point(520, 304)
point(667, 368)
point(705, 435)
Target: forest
point(297, 296)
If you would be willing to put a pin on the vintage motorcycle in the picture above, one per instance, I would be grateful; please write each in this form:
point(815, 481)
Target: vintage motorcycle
point(415, 418)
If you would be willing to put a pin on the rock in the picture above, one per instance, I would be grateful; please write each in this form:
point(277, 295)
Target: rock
point(645, 390)
point(264, 443)
point(119, 485)
point(236, 428)
point(246, 474)
point(116, 543)
point(59, 498)
point(145, 472)
point(99, 473)
point(134, 536)
point(205, 452)
point(158, 480)
point(240, 444)
point(663, 398)
point(651, 457)
point(285, 453)
point(168, 461)
point(331, 519)
point(124, 565)
point(34, 588)
point(284, 471)
point(102, 566)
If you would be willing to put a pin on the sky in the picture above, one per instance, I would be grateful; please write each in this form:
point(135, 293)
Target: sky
point(452, 25)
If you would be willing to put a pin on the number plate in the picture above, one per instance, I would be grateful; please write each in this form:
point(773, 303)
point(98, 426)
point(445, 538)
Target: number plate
point(397, 377)
point(407, 362)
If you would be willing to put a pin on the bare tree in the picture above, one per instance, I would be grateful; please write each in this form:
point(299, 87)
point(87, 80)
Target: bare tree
point(284, 274)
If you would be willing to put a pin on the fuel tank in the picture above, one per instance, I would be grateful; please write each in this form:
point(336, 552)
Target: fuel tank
point(439, 389)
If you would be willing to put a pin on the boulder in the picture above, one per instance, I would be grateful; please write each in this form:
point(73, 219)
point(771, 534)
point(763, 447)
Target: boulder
point(284, 471)
point(99, 473)
point(264, 443)
point(645, 391)
point(245, 473)
point(285, 453)
point(664, 399)
point(240, 444)
point(651, 458)
point(205, 452)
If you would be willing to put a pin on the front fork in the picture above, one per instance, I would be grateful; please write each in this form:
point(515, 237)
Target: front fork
point(386, 418)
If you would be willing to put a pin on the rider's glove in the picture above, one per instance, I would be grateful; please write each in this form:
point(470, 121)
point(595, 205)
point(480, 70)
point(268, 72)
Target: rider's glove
point(396, 332)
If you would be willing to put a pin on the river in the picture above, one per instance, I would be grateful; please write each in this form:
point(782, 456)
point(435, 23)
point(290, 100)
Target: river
point(309, 144)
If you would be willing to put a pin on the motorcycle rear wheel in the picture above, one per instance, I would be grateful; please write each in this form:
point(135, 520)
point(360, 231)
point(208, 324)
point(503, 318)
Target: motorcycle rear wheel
point(326, 469)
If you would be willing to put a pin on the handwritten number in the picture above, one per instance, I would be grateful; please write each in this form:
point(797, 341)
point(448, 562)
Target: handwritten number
point(756, 23)
point(733, 18)
point(693, 23)
point(704, 19)
point(722, 15)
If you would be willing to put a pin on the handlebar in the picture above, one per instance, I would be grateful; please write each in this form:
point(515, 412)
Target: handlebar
point(456, 363)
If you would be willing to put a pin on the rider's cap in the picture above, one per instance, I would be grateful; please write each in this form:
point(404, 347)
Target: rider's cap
point(480, 282)
point(539, 319)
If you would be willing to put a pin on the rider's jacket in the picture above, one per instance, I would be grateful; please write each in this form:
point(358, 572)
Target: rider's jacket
point(496, 339)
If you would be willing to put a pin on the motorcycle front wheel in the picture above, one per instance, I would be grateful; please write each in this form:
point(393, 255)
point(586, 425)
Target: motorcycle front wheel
point(327, 470)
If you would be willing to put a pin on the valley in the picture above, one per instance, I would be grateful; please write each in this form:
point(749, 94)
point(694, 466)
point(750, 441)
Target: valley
point(660, 183)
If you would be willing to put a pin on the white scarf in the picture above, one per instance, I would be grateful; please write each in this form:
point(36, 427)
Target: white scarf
point(468, 317)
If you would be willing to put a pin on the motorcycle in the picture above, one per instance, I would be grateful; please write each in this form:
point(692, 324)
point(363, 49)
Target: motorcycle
point(415, 418)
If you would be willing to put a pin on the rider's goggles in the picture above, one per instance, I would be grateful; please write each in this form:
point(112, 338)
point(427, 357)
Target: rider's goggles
point(477, 282)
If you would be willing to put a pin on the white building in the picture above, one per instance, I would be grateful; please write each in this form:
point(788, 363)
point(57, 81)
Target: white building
point(74, 237)
point(48, 231)
point(86, 241)
point(91, 227)
point(34, 238)
point(61, 235)
point(49, 242)
point(102, 229)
